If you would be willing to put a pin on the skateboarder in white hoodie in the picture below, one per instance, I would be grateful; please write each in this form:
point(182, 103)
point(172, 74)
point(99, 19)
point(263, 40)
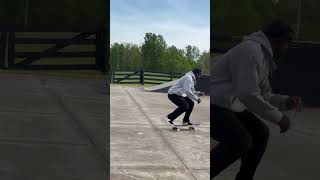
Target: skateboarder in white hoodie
point(182, 94)
point(241, 97)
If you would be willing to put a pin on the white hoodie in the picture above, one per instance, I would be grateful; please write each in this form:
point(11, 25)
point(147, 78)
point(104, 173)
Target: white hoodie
point(185, 87)
point(240, 79)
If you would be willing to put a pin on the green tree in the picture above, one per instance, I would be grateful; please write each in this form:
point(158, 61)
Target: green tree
point(238, 18)
point(153, 50)
point(132, 57)
point(204, 62)
point(154, 55)
point(114, 56)
point(176, 61)
point(192, 53)
point(235, 17)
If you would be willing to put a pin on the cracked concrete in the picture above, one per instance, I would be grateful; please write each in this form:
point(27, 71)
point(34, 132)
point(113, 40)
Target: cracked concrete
point(52, 128)
point(144, 147)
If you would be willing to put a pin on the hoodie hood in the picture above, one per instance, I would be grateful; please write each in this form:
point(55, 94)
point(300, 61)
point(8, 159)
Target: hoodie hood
point(262, 39)
point(193, 77)
point(191, 74)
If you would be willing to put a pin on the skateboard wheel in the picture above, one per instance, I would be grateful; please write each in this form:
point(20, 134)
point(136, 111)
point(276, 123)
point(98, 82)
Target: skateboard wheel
point(192, 129)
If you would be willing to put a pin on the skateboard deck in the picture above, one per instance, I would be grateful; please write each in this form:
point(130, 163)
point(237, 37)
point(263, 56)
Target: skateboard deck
point(178, 127)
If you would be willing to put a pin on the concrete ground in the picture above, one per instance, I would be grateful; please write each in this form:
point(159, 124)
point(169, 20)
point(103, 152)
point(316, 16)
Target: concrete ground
point(291, 156)
point(56, 129)
point(52, 128)
point(143, 147)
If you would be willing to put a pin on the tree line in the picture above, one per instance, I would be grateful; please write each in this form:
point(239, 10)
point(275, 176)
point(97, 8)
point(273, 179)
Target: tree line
point(242, 17)
point(155, 55)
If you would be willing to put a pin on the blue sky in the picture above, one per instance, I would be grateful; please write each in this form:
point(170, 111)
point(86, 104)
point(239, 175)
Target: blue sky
point(180, 22)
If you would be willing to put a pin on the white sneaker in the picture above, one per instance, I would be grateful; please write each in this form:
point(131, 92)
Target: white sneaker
point(187, 123)
point(168, 121)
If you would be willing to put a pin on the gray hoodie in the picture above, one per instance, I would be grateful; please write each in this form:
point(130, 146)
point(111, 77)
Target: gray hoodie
point(185, 87)
point(240, 79)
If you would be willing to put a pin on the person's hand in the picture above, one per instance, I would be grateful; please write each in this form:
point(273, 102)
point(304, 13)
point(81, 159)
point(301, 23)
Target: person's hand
point(284, 124)
point(294, 103)
point(199, 100)
point(202, 94)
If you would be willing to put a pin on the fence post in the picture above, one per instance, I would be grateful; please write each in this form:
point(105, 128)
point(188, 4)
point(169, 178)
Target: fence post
point(11, 49)
point(3, 47)
point(171, 76)
point(142, 77)
point(113, 77)
point(101, 51)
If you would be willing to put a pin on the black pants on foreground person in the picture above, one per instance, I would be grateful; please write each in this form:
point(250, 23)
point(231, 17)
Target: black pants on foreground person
point(240, 135)
point(184, 104)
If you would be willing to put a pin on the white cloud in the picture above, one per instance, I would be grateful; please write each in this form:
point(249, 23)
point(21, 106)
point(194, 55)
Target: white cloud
point(175, 28)
point(179, 35)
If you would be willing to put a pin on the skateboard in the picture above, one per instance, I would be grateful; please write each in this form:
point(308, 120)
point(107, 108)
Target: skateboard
point(180, 126)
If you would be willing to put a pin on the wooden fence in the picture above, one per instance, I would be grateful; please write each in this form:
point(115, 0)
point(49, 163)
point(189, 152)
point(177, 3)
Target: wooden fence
point(143, 77)
point(9, 55)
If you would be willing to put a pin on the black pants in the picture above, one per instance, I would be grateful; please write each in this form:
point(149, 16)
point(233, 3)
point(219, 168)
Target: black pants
point(184, 104)
point(240, 135)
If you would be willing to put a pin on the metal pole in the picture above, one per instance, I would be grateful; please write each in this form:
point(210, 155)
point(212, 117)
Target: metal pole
point(203, 65)
point(118, 59)
point(298, 20)
point(26, 15)
point(6, 56)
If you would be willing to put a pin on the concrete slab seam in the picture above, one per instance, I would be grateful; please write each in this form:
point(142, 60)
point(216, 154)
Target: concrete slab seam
point(72, 116)
point(161, 135)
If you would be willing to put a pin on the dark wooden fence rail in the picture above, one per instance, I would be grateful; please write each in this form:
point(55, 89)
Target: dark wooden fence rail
point(143, 77)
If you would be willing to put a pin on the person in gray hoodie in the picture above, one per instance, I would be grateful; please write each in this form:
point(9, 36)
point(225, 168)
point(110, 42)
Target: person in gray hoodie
point(241, 97)
point(182, 94)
